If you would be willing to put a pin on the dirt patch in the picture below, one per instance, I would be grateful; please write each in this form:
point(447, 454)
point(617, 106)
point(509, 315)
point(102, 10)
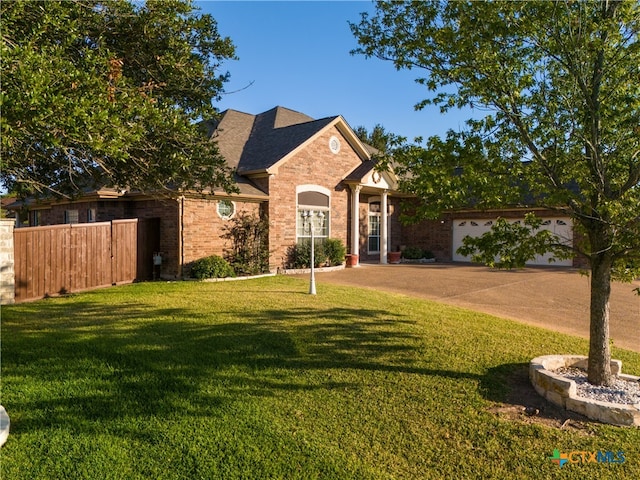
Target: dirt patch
point(524, 404)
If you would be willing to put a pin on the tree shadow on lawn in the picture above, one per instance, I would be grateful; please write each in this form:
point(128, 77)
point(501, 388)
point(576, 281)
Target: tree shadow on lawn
point(510, 388)
point(86, 369)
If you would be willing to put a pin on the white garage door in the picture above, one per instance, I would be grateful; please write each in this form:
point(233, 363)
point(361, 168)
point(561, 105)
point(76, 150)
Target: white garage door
point(561, 226)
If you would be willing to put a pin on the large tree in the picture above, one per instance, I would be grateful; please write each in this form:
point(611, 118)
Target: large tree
point(555, 87)
point(109, 93)
point(378, 138)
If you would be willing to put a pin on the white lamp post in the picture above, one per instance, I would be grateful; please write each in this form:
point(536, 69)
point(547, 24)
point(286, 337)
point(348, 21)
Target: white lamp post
point(315, 220)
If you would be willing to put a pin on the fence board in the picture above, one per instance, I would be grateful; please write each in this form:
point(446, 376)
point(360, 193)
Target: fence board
point(58, 259)
point(124, 258)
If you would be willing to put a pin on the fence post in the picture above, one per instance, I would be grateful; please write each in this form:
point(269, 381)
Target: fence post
point(7, 270)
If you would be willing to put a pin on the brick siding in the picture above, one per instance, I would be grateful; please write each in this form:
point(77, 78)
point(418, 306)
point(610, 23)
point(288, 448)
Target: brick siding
point(313, 165)
point(203, 228)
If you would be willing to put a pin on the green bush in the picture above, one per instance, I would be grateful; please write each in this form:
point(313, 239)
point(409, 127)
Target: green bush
point(335, 251)
point(416, 253)
point(412, 253)
point(248, 236)
point(300, 254)
point(211, 267)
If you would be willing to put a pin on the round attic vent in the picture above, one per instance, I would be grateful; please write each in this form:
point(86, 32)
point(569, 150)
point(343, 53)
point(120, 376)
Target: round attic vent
point(334, 144)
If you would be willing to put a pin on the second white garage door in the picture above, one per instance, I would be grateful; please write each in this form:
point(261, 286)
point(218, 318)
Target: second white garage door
point(561, 226)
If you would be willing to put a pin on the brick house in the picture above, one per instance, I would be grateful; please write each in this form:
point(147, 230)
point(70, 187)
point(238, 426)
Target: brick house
point(286, 163)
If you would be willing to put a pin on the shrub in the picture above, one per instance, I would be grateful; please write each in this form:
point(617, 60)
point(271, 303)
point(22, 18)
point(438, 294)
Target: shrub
point(335, 251)
point(249, 252)
point(211, 267)
point(300, 254)
point(412, 253)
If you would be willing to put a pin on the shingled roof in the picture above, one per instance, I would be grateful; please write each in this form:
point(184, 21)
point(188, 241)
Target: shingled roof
point(252, 143)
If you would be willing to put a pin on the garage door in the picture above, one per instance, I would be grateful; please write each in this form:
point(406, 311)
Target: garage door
point(561, 226)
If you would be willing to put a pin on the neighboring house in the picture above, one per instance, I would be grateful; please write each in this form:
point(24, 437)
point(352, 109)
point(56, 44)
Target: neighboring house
point(286, 163)
point(4, 203)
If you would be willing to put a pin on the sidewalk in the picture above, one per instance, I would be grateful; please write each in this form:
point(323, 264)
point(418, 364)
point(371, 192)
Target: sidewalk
point(550, 297)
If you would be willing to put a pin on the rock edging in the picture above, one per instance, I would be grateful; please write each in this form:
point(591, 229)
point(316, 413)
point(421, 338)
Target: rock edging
point(301, 271)
point(562, 391)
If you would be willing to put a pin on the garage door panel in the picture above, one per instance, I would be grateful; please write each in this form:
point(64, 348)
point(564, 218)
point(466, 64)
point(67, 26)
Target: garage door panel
point(560, 226)
point(464, 228)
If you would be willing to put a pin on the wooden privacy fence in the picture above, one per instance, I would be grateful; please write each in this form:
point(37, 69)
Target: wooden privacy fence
point(60, 259)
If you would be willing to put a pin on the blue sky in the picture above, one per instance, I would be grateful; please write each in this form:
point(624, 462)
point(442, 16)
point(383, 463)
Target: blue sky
point(296, 54)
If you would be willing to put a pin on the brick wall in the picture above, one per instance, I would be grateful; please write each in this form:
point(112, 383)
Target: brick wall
point(203, 227)
point(313, 165)
point(168, 211)
point(55, 214)
point(433, 235)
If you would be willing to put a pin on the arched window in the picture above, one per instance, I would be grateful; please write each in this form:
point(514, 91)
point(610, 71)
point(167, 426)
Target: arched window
point(317, 199)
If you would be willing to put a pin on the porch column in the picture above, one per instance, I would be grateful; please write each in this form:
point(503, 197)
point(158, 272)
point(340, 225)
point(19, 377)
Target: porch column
point(355, 220)
point(383, 228)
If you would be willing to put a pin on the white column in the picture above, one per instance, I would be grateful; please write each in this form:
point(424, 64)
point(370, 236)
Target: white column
point(383, 228)
point(355, 220)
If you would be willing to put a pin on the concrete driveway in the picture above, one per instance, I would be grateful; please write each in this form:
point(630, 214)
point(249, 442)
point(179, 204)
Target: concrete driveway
point(549, 297)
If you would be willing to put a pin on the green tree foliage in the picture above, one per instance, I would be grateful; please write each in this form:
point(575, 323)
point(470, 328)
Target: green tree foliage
point(109, 93)
point(556, 85)
point(378, 138)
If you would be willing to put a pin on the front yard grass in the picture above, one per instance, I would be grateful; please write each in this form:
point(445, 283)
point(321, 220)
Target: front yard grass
point(256, 379)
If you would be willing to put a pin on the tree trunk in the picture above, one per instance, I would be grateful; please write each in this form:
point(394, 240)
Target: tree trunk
point(599, 366)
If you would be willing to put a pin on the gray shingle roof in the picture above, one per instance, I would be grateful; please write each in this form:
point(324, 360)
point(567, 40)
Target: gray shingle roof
point(256, 142)
point(362, 170)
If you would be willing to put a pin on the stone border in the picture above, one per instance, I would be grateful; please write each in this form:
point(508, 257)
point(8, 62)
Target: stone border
point(418, 261)
point(562, 391)
point(300, 271)
point(233, 279)
point(281, 271)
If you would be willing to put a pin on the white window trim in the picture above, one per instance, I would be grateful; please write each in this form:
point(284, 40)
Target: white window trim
point(376, 199)
point(379, 216)
point(326, 210)
point(233, 207)
point(313, 188)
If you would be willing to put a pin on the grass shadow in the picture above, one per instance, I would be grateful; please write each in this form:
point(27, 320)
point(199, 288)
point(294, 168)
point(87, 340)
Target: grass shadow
point(138, 360)
point(509, 386)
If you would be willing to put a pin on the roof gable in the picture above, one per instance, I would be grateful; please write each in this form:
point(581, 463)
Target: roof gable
point(269, 144)
point(260, 143)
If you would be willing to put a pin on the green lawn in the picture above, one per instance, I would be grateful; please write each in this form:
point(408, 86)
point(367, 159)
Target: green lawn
point(256, 379)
